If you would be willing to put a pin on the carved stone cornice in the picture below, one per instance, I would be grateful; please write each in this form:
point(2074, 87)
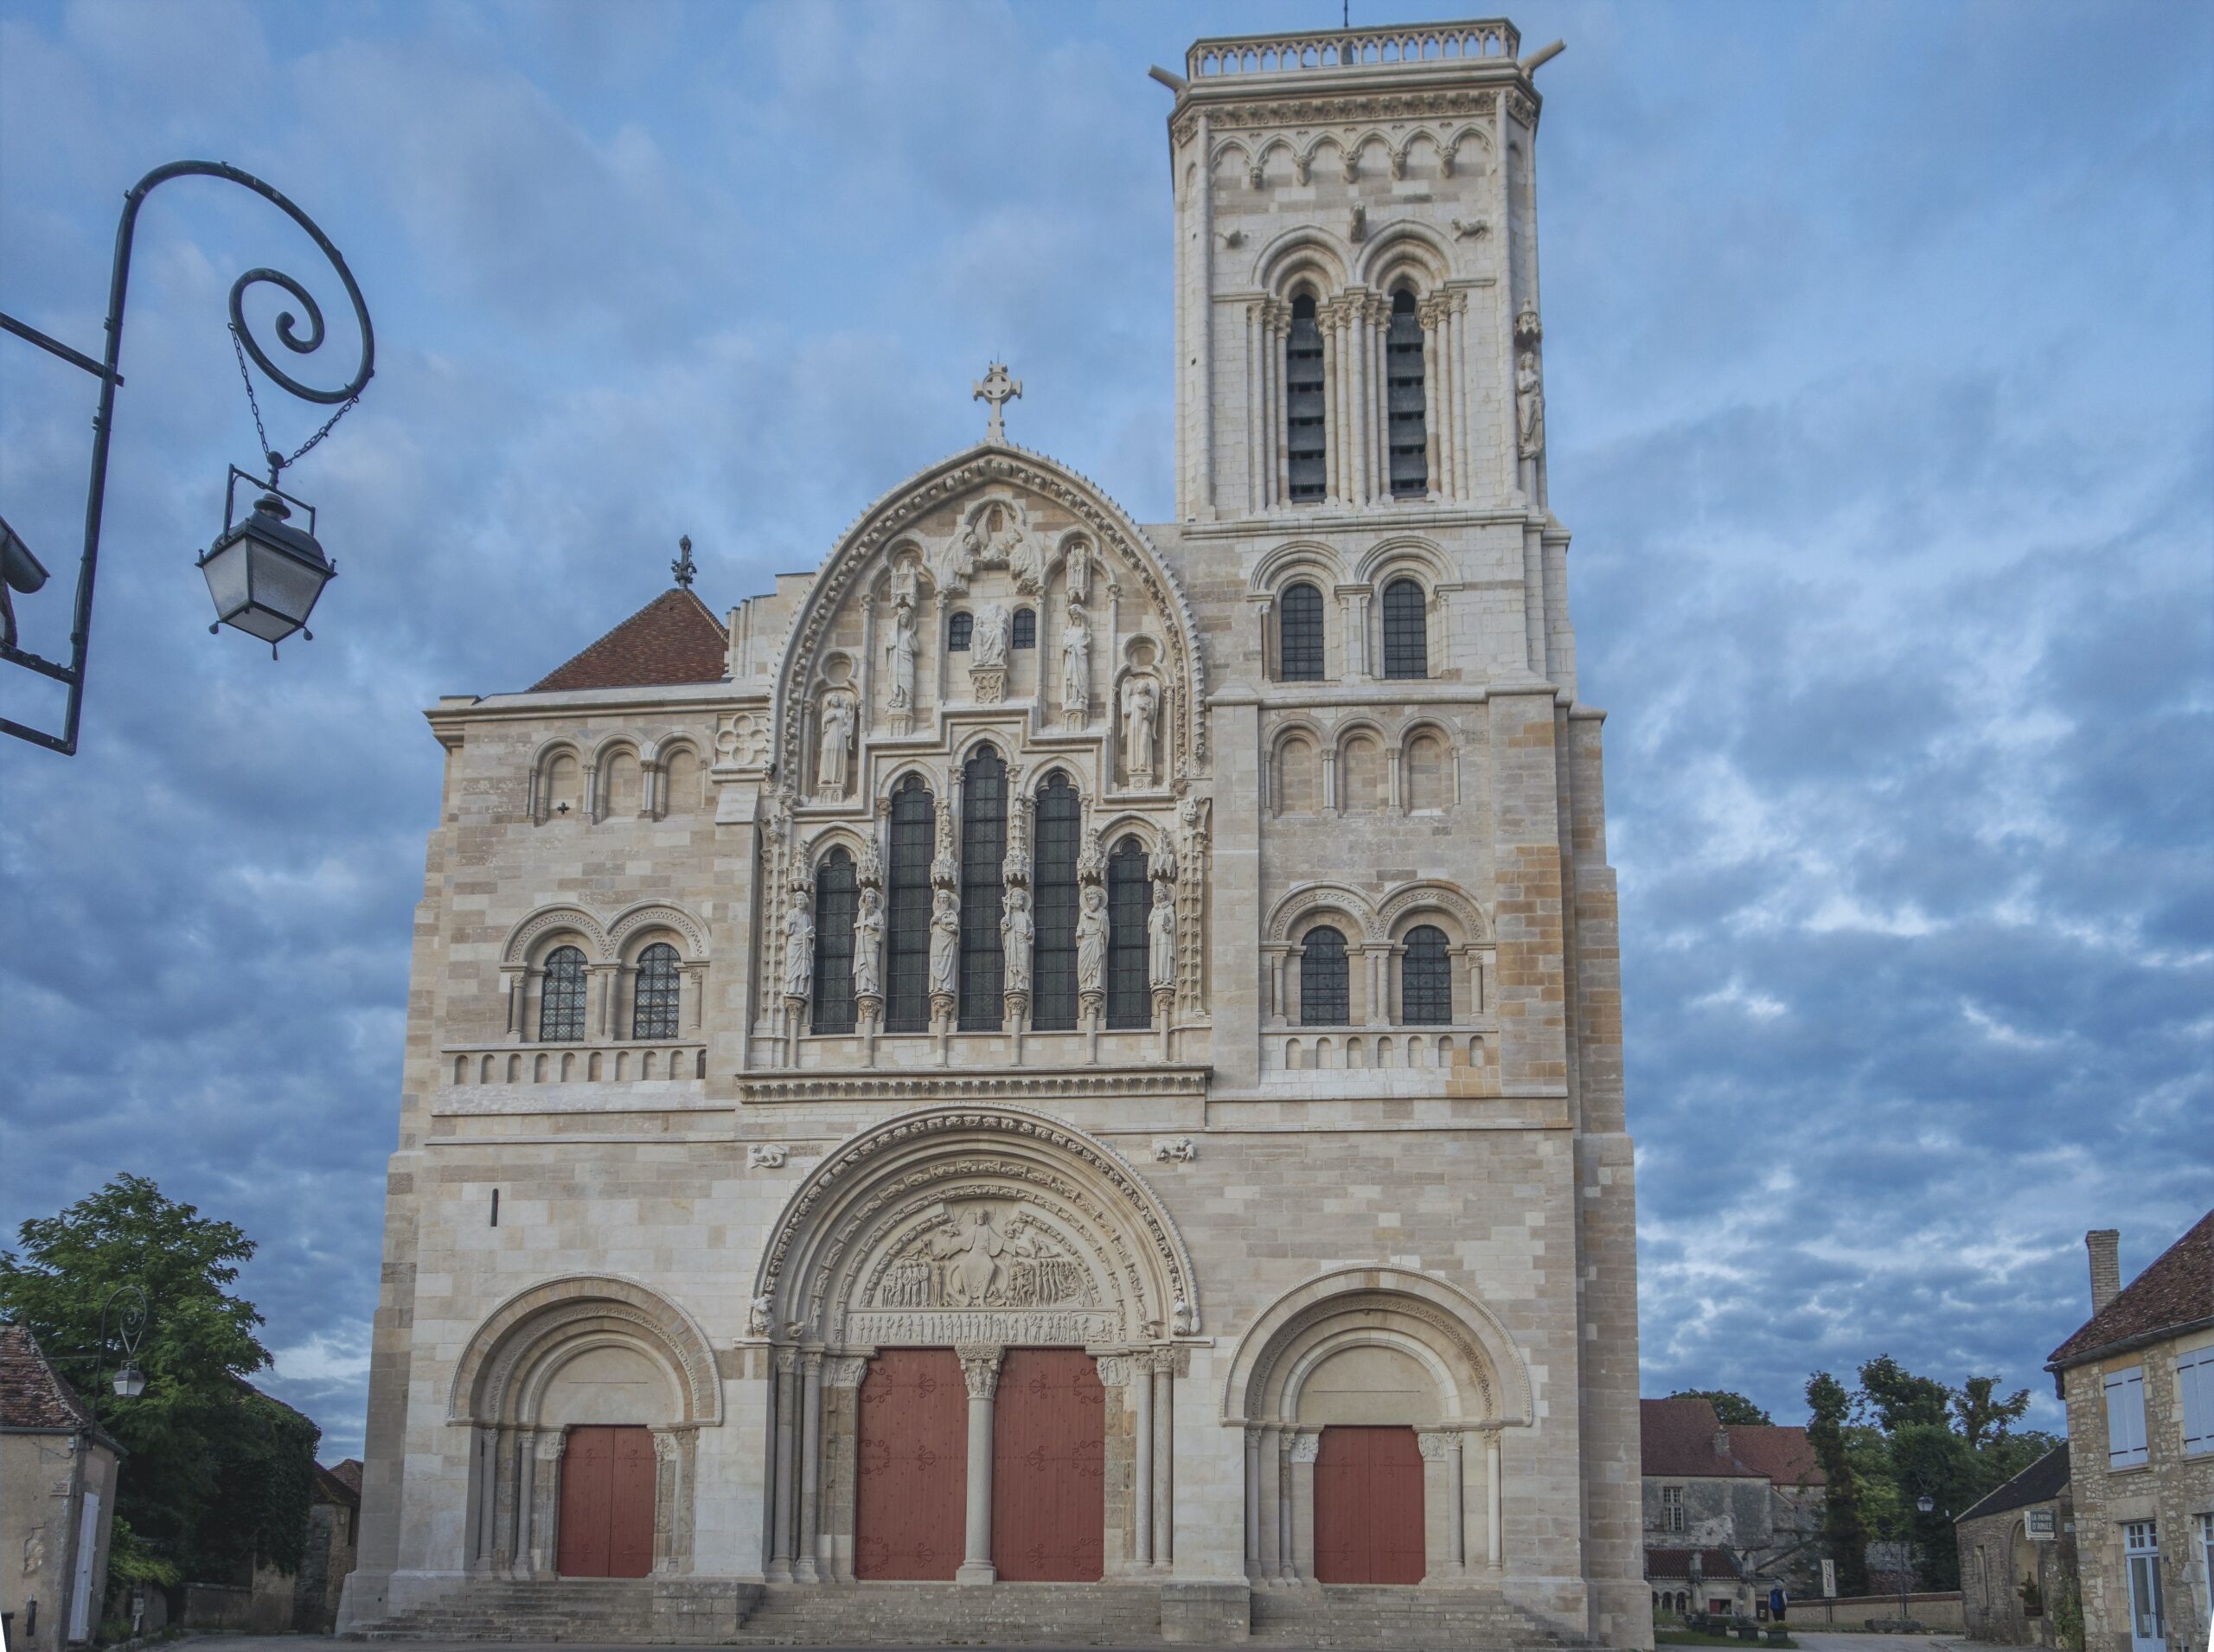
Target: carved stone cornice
point(926, 1088)
point(1345, 110)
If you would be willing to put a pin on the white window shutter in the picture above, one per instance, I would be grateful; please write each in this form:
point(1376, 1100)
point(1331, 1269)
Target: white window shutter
point(2195, 1389)
point(2126, 1418)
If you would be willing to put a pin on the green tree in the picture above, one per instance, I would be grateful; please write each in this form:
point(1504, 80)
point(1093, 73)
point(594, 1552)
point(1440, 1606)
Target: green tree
point(1895, 1397)
point(1843, 1532)
point(217, 1475)
point(1733, 1410)
point(1984, 1420)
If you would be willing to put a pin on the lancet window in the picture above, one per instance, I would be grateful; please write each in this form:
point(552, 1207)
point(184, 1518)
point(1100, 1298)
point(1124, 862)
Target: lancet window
point(1025, 628)
point(984, 848)
point(907, 910)
point(1403, 370)
point(1426, 978)
point(1406, 633)
point(656, 993)
point(1130, 908)
point(1052, 972)
point(1324, 1000)
point(1305, 438)
point(837, 892)
point(958, 630)
point(561, 998)
point(1299, 634)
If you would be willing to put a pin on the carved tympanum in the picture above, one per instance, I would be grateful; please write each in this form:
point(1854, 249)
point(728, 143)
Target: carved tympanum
point(979, 1261)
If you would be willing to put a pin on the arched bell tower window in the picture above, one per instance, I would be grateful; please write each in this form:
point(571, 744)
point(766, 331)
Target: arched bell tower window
point(1409, 430)
point(562, 999)
point(837, 892)
point(656, 993)
point(1406, 630)
point(1130, 909)
point(1305, 438)
point(958, 630)
point(1052, 970)
point(984, 848)
point(1025, 630)
point(1299, 634)
point(1323, 999)
point(1426, 978)
point(907, 910)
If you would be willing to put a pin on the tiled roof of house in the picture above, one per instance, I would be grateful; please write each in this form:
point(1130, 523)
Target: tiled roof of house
point(673, 638)
point(1684, 1438)
point(2040, 1482)
point(349, 1471)
point(1677, 1563)
point(333, 1484)
point(32, 1395)
point(1780, 1451)
point(2176, 1290)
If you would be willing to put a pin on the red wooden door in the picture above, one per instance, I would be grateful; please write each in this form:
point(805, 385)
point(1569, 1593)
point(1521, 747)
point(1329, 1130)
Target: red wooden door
point(607, 1504)
point(910, 1501)
point(1368, 1526)
point(1049, 1489)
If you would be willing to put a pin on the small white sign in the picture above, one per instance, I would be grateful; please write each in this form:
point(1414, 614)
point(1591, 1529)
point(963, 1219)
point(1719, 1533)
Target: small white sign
point(2040, 1526)
point(1829, 1580)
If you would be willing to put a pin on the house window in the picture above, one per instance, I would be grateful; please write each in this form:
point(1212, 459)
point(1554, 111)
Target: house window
point(984, 848)
point(1052, 972)
point(654, 997)
point(958, 630)
point(1426, 1000)
point(1410, 436)
point(1026, 627)
point(561, 1000)
point(1305, 443)
point(1406, 630)
point(907, 910)
point(837, 894)
point(2206, 1557)
point(2126, 1418)
point(2195, 1398)
point(2140, 1547)
point(1130, 909)
point(1299, 634)
point(1323, 995)
point(1671, 1508)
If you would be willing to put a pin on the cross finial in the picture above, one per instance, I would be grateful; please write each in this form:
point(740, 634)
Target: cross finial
point(998, 389)
point(683, 567)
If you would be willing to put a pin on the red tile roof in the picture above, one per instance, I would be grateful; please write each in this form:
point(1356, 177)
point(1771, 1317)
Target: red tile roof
point(31, 1395)
point(1780, 1451)
point(1677, 1563)
point(673, 638)
point(349, 1471)
point(2177, 1290)
point(1683, 1438)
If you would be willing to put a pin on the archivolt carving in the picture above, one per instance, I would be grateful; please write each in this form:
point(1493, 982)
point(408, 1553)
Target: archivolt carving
point(546, 921)
point(491, 1380)
point(1411, 897)
point(1310, 896)
point(665, 914)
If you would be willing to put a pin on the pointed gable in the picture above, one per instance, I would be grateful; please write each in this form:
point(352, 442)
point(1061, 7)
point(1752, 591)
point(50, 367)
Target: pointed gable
point(2177, 1290)
point(673, 638)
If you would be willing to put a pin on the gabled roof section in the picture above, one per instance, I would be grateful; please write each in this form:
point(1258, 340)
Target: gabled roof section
point(2175, 1292)
point(1780, 1451)
point(673, 638)
point(33, 1395)
point(1684, 1438)
point(2040, 1482)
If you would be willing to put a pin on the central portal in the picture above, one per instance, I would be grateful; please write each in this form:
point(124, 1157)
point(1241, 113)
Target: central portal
point(1049, 1486)
point(909, 1501)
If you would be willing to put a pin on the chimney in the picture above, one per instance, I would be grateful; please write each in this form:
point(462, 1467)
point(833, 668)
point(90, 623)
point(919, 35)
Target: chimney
point(2104, 1245)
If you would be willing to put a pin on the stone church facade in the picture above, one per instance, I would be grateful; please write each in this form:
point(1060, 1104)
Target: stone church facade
point(1057, 1067)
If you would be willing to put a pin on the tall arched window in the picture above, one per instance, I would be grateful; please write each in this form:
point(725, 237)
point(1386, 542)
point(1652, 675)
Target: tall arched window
point(1299, 634)
point(1426, 772)
point(656, 993)
point(1406, 630)
point(1130, 908)
point(1323, 999)
point(1299, 789)
point(958, 630)
point(837, 892)
point(907, 910)
point(1409, 431)
point(561, 998)
point(1426, 978)
point(1305, 443)
point(984, 848)
point(1025, 630)
point(1053, 969)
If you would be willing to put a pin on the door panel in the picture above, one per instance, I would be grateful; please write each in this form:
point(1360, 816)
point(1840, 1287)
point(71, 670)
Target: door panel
point(607, 1504)
point(1049, 1489)
point(1368, 1507)
point(911, 1496)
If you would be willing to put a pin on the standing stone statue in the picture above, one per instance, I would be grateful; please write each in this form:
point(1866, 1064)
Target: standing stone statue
point(1161, 936)
point(1016, 932)
point(1075, 662)
point(1092, 940)
point(830, 765)
point(1530, 405)
point(987, 642)
point(1141, 698)
point(799, 946)
point(945, 943)
point(900, 654)
point(868, 941)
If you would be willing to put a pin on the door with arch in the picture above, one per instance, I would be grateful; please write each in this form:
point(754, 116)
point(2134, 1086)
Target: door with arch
point(607, 1503)
point(1368, 1515)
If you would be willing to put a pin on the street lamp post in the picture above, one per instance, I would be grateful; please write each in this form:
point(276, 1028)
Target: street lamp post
point(130, 1329)
point(264, 573)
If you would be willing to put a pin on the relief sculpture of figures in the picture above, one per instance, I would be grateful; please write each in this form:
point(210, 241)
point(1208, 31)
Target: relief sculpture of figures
point(900, 654)
point(945, 942)
point(868, 943)
point(1160, 951)
point(1530, 405)
point(1016, 932)
point(799, 946)
point(831, 763)
point(989, 641)
point(1076, 664)
point(1092, 940)
point(1141, 698)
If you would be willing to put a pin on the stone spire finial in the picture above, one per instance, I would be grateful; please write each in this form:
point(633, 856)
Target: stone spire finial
point(998, 389)
point(683, 567)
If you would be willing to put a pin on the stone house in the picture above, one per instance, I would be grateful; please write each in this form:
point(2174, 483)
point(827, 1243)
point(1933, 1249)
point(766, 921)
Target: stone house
point(1745, 1500)
point(2137, 1381)
point(2018, 1555)
point(327, 1558)
point(1044, 1050)
point(57, 1502)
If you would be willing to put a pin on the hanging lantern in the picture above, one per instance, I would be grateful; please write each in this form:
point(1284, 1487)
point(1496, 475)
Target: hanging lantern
point(129, 1382)
point(264, 573)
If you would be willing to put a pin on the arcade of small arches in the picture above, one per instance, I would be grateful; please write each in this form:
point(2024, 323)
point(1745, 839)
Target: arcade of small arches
point(618, 779)
point(1388, 621)
point(958, 1307)
point(1427, 959)
point(1361, 768)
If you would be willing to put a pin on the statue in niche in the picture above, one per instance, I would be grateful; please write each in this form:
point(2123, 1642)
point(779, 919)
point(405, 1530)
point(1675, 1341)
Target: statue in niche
point(1017, 930)
point(831, 763)
point(1092, 940)
point(1530, 405)
point(1140, 699)
point(868, 942)
point(899, 654)
point(799, 945)
point(1075, 662)
point(945, 943)
point(1161, 947)
point(987, 643)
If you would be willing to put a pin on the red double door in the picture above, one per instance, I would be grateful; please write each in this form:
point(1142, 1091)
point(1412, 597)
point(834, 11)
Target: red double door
point(1368, 1525)
point(607, 1504)
point(1048, 1482)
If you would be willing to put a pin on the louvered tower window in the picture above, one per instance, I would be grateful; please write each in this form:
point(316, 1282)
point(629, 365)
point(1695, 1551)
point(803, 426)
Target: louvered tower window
point(837, 892)
point(1406, 630)
point(984, 848)
point(1304, 439)
point(1025, 630)
point(656, 993)
point(1130, 908)
point(1299, 634)
point(561, 998)
point(1323, 1001)
point(1426, 978)
point(1053, 969)
point(1410, 434)
point(907, 910)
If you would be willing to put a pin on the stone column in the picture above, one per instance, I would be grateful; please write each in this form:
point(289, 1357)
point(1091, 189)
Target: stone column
point(1164, 1459)
point(804, 1569)
point(1494, 1506)
point(1256, 406)
point(780, 1542)
point(1357, 391)
point(980, 1369)
point(1142, 1450)
point(1285, 1571)
point(1334, 429)
point(1464, 443)
point(1456, 1509)
point(1432, 315)
point(516, 984)
point(1253, 1502)
point(1306, 1447)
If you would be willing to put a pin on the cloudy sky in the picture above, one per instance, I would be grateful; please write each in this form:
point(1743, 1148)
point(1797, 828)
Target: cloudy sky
point(1881, 384)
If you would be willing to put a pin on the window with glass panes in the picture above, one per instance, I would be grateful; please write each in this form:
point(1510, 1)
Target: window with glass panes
point(1299, 634)
point(907, 910)
point(1053, 968)
point(1403, 372)
point(984, 848)
point(656, 993)
point(561, 998)
point(1129, 907)
point(1324, 997)
point(1305, 443)
point(1426, 978)
point(837, 894)
point(1406, 630)
point(958, 630)
point(1025, 631)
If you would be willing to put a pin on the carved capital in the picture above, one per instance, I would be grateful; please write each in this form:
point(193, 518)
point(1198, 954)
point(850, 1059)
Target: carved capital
point(1434, 1446)
point(810, 1362)
point(786, 1359)
point(1306, 1445)
point(664, 1446)
point(551, 1444)
point(980, 1369)
point(1114, 1371)
point(845, 1371)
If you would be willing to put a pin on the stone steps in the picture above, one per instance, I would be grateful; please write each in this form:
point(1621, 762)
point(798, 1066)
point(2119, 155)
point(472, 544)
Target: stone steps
point(940, 1614)
point(1349, 1615)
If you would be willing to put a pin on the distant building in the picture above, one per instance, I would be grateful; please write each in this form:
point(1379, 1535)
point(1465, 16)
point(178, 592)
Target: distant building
point(2018, 1555)
point(1729, 1510)
point(2138, 1380)
point(328, 1558)
point(57, 1502)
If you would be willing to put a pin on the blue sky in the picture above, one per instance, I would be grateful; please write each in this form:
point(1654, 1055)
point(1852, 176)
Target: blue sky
point(1881, 390)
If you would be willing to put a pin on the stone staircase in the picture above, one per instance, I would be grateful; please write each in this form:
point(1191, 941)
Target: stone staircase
point(1361, 1615)
point(944, 1614)
point(600, 1610)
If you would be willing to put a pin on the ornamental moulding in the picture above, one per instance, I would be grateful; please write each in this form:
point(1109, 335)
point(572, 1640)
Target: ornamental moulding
point(923, 1089)
point(1340, 111)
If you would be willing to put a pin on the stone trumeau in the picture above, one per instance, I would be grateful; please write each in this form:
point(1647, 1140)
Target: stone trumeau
point(1049, 1049)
